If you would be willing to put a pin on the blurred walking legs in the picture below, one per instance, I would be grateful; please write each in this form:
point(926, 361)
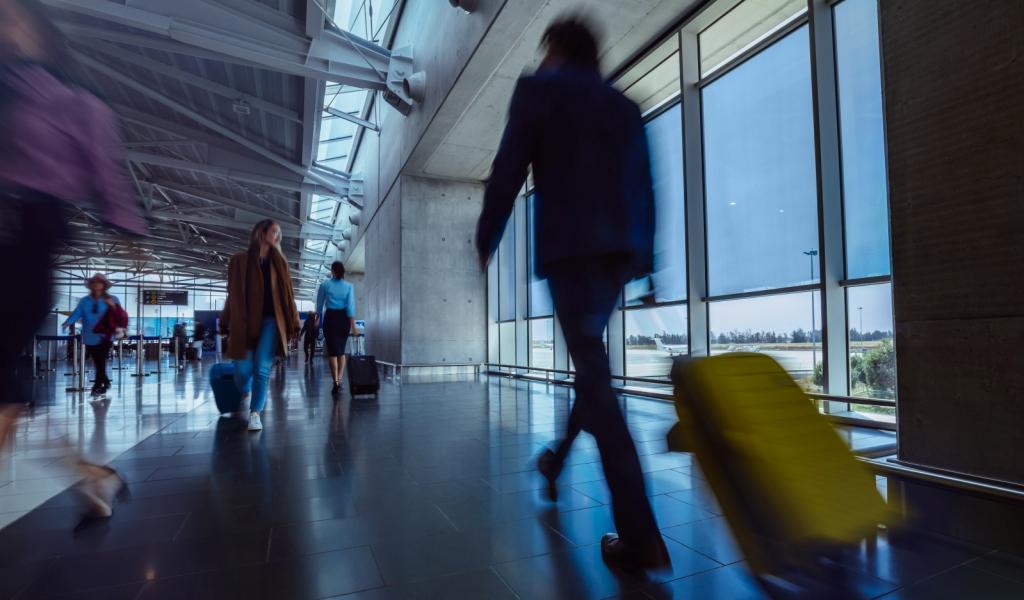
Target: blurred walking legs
point(584, 294)
point(33, 229)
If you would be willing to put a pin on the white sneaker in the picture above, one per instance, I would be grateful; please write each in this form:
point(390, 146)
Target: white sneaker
point(254, 422)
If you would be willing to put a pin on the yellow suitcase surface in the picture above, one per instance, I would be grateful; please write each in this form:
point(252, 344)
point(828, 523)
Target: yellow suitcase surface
point(783, 476)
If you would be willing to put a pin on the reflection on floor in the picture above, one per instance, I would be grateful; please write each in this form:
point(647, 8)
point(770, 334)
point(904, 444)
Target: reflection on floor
point(426, 493)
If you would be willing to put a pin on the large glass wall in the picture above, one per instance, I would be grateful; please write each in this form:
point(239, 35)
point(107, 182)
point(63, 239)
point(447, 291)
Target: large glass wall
point(786, 327)
point(761, 188)
point(203, 294)
point(859, 83)
point(538, 295)
point(746, 174)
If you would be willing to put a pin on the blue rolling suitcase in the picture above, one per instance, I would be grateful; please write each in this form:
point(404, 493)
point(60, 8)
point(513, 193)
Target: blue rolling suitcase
point(225, 391)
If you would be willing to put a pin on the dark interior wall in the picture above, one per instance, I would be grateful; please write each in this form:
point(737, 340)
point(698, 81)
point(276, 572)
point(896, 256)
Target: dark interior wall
point(954, 102)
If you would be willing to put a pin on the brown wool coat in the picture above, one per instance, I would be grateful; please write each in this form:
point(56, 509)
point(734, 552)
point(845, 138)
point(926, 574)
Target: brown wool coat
point(243, 310)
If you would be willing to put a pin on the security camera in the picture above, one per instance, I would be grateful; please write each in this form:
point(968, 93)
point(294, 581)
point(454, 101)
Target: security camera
point(467, 6)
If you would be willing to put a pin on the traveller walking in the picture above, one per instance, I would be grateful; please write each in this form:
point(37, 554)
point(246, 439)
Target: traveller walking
point(198, 338)
point(259, 315)
point(60, 146)
point(336, 301)
point(180, 341)
point(90, 310)
point(310, 331)
point(594, 208)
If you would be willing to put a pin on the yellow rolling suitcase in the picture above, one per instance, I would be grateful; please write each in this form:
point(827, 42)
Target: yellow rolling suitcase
point(789, 487)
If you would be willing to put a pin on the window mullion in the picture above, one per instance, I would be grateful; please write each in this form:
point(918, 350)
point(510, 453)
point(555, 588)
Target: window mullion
point(693, 169)
point(830, 204)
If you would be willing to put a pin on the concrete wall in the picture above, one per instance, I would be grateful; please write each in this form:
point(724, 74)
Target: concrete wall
point(358, 281)
point(954, 81)
point(381, 302)
point(444, 299)
point(444, 39)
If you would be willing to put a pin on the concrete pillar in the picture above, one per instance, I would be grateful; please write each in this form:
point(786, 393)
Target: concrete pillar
point(444, 303)
point(953, 87)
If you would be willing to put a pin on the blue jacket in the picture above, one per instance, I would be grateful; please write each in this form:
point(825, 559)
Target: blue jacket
point(89, 311)
point(591, 169)
point(336, 294)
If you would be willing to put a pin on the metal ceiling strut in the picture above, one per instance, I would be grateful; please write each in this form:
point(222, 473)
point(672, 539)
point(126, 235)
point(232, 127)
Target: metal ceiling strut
point(331, 55)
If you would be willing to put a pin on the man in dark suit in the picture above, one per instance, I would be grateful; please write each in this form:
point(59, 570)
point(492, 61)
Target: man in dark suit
point(594, 214)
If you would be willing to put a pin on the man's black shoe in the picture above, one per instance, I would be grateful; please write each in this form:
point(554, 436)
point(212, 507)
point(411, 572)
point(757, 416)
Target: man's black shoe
point(651, 556)
point(548, 466)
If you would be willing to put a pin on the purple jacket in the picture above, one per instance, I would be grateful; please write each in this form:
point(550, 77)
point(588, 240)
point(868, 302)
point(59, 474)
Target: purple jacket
point(63, 141)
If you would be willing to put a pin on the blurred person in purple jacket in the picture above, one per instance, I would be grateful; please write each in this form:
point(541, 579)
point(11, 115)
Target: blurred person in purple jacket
point(60, 146)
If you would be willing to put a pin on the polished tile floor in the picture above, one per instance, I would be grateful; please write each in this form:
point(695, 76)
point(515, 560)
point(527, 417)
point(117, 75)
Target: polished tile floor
point(426, 493)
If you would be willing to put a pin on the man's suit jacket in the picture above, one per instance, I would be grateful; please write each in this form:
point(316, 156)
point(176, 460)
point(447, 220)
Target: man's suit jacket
point(591, 168)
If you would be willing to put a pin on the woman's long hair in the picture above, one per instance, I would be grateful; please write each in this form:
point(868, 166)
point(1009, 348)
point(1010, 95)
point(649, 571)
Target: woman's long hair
point(256, 236)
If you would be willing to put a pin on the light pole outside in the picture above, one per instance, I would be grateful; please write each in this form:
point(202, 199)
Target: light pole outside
point(860, 314)
point(814, 348)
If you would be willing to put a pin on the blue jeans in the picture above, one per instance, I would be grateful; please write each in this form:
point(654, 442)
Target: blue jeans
point(253, 372)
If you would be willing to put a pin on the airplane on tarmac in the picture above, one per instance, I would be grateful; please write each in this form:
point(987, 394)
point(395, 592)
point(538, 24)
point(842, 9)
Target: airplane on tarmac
point(672, 349)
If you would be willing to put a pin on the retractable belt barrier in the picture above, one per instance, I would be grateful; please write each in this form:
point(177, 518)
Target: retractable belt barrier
point(37, 371)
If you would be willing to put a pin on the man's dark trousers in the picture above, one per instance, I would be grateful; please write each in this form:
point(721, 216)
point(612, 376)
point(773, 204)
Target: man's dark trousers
point(584, 292)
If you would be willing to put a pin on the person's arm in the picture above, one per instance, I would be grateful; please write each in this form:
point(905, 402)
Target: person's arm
point(509, 170)
point(321, 298)
point(74, 317)
point(351, 310)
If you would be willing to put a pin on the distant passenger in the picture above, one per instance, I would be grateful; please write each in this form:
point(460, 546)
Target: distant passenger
point(310, 332)
point(198, 338)
point(90, 310)
point(60, 146)
point(594, 208)
point(180, 339)
point(336, 301)
point(259, 315)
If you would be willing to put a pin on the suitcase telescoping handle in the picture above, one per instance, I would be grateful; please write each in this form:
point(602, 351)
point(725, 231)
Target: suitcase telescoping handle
point(357, 344)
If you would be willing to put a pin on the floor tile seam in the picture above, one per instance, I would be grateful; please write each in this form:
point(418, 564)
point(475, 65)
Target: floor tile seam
point(694, 574)
point(689, 547)
point(507, 585)
point(920, 580)
point(992, 574)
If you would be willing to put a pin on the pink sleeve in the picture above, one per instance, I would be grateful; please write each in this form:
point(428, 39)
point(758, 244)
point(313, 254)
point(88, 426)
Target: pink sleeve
point(112, 189)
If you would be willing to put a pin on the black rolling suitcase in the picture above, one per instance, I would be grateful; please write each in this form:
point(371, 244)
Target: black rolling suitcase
point(362, 371)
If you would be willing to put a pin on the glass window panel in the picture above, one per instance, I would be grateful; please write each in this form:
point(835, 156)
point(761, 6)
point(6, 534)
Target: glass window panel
point(332, 150)
point(507, 343)
point(654, 80)
point(779, 326)
point(507, 273)
point(665, 139)
point(872, 356)
point(653, 337)
point(542, 343)
point(540, 295)
point(762, 213)
point(316, 245)
point(334, 127)
point(742, 27)
point(865, 190)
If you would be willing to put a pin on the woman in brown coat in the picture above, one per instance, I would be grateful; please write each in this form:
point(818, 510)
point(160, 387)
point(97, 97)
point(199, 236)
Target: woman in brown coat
point(259, 315)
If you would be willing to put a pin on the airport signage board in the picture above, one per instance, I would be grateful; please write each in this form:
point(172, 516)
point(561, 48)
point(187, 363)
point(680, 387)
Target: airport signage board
point(165, 297)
